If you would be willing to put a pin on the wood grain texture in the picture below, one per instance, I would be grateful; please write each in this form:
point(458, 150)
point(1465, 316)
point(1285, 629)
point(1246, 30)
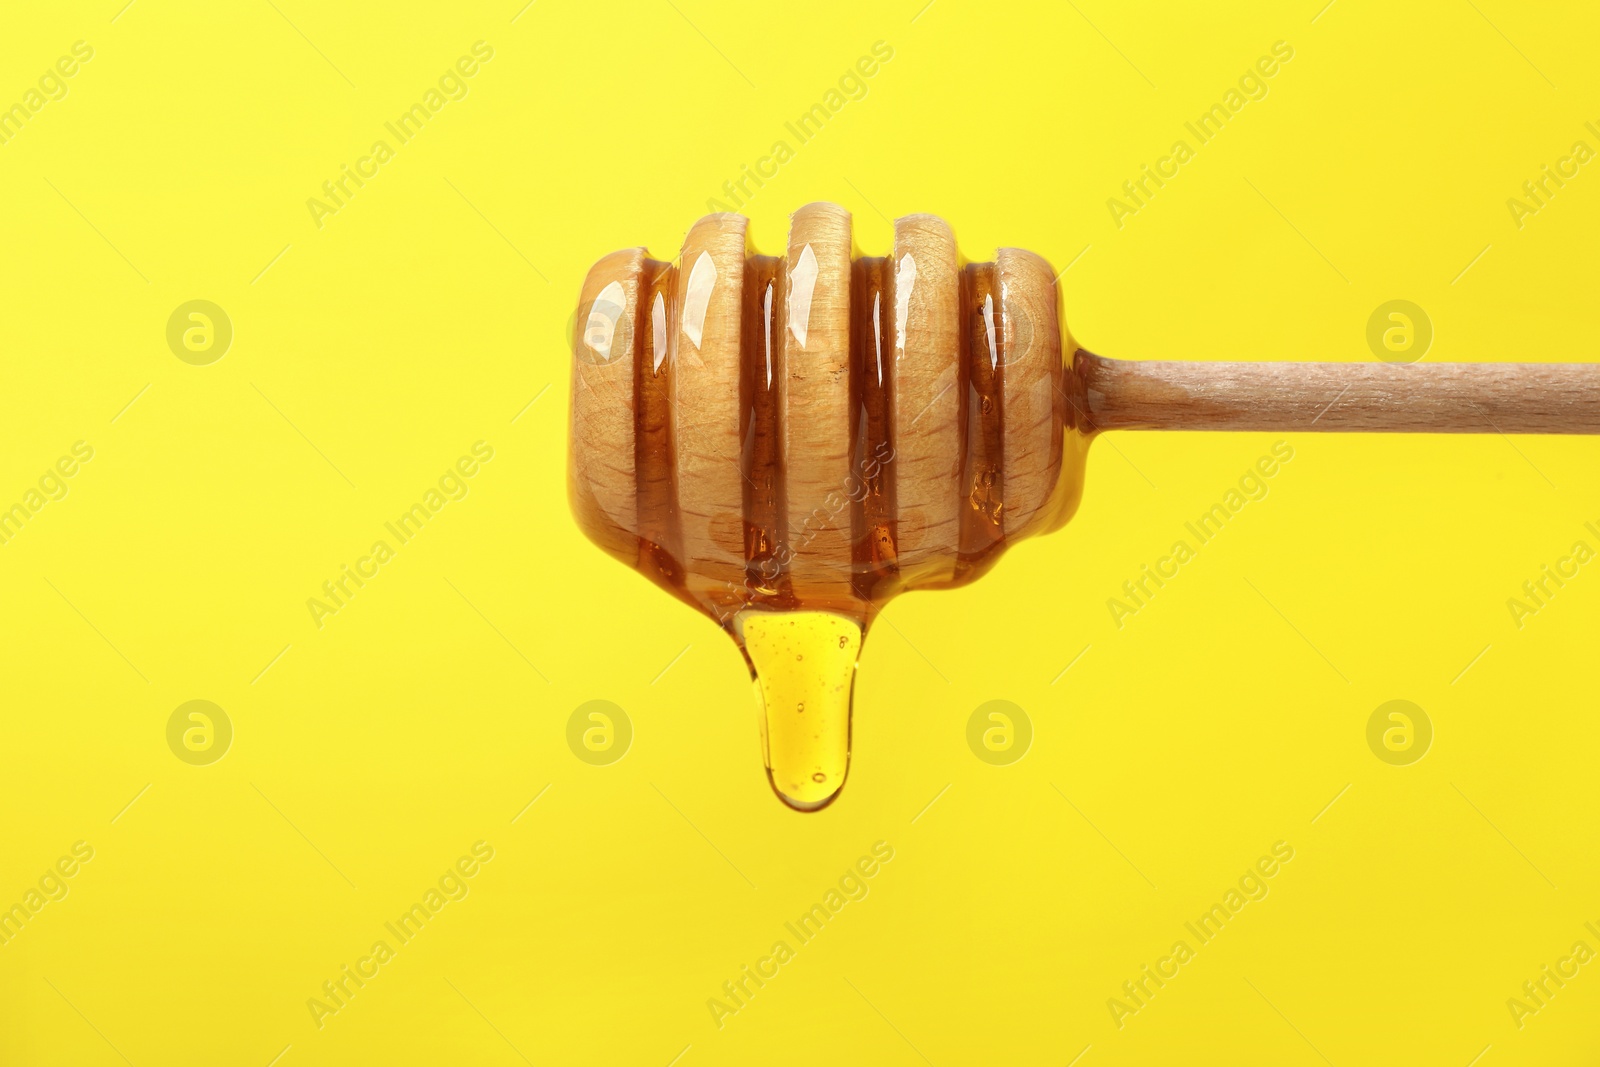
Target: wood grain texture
point(730, 415)
point(602, 488)
point(925, 396)
point(1522, 398)
point(708, 304)
point(814, 402)
point(1030, 377)
point(653, 454)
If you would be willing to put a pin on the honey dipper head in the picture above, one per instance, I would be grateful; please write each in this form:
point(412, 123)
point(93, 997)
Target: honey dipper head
point(817, 430)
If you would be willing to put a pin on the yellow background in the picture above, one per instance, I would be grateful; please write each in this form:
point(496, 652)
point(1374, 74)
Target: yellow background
point(427, 315)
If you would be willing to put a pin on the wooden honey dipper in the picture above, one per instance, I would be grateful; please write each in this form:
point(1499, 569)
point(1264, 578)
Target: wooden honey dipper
point(786, 442)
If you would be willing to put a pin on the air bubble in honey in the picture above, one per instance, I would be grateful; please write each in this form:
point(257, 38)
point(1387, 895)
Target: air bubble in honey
point(786, 442)
point(806, 750)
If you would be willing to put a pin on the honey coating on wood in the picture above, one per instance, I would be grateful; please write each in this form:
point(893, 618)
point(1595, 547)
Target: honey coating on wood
point(737, 425)
point(982, 486)
point(874, 557)
point(762, 482)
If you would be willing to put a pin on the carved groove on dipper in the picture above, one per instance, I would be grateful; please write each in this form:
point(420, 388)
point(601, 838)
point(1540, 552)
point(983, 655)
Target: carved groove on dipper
point(874, 423)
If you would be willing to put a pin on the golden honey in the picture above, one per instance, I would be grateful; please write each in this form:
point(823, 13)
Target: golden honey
point(786, 442)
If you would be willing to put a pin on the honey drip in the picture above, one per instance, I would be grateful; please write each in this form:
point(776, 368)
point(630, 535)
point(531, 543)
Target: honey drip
point(931, 394)
point(803, 664)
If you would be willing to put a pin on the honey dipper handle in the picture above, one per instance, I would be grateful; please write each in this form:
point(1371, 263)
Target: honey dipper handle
point(1547, 398)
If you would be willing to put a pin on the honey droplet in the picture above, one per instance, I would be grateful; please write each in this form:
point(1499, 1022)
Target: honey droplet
point(807, 759)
